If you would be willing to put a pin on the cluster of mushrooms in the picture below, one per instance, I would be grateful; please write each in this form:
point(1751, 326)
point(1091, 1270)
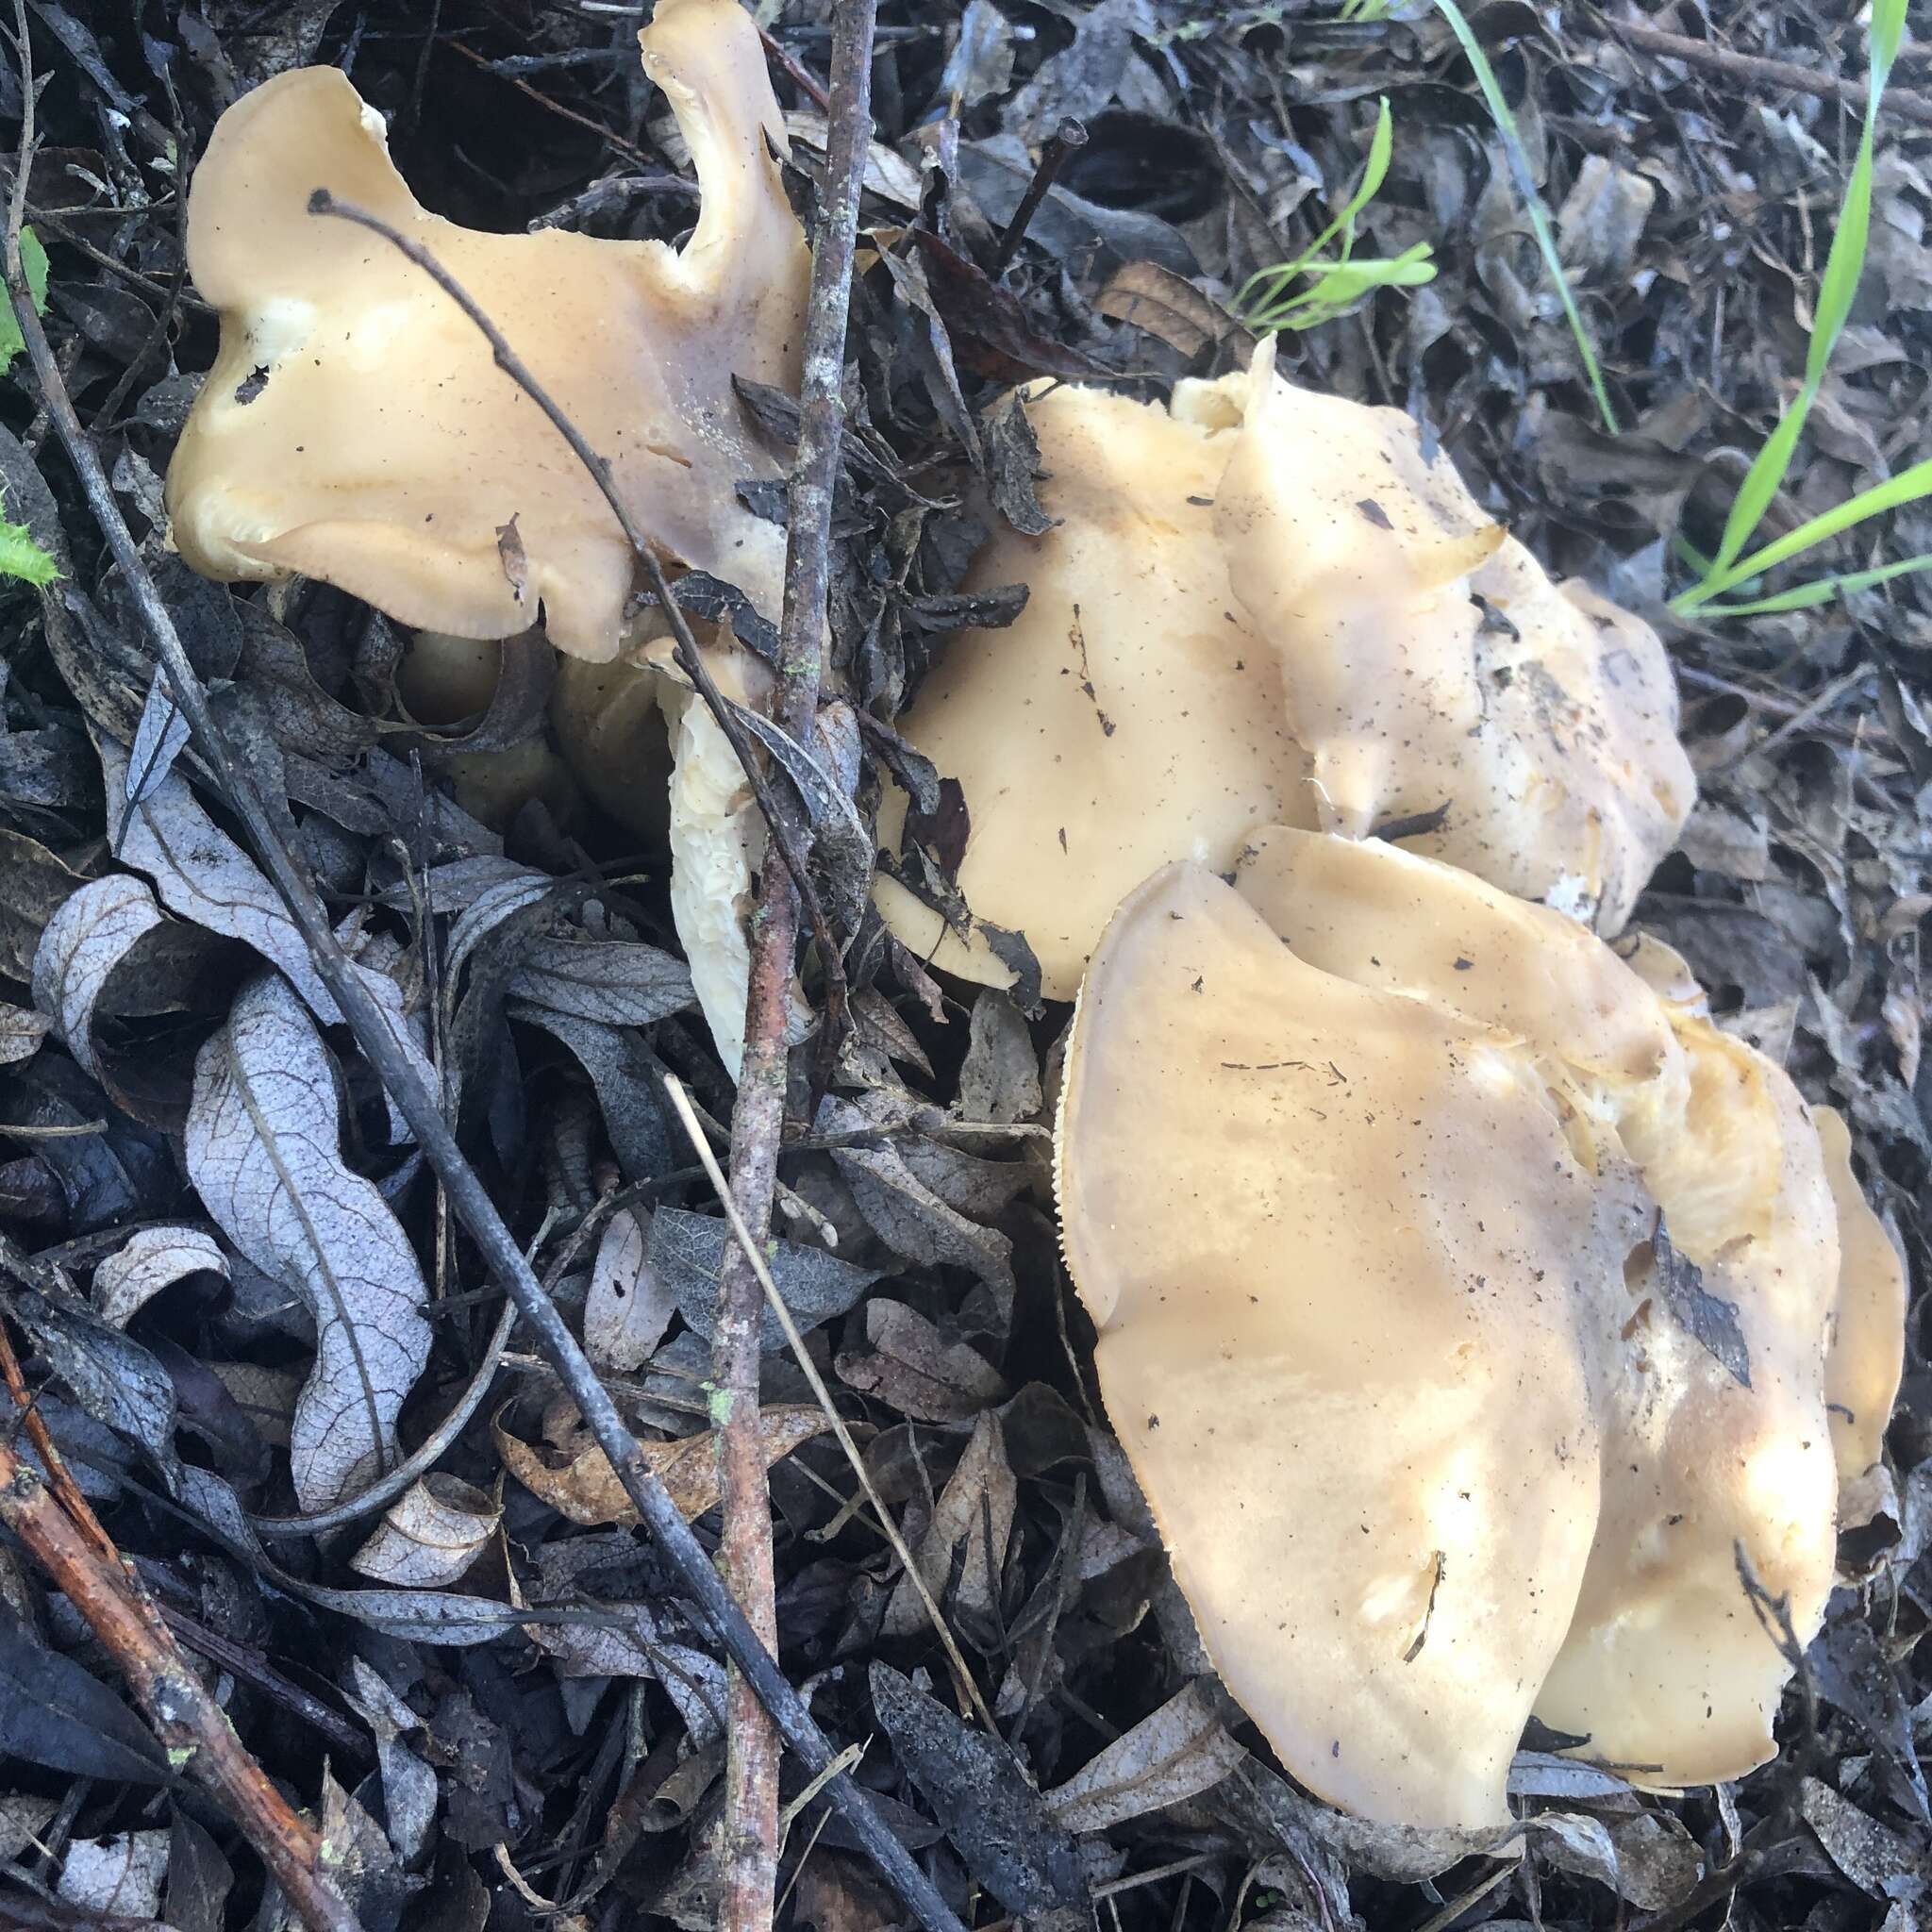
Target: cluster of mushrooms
point(1472, 1307)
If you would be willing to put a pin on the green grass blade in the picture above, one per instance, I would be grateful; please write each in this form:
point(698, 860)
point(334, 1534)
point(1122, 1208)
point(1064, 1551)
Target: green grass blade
point(1268, 286)
point(1909, 486)
point(1533, 202)
point(1844, 265)
point(1822, 589)
point(33, 258)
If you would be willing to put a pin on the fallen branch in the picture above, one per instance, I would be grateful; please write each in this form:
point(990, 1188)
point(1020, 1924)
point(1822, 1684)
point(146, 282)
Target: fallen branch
point(418, 1105)
point(749, 1825)
point(55, 1523)
point(1766, 72)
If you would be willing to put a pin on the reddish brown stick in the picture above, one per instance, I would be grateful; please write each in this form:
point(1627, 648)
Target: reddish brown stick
point(196, 1735)
point(750, 1827)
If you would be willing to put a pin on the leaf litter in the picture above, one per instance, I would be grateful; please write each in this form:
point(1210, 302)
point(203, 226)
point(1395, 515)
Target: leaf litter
point(237, 1300)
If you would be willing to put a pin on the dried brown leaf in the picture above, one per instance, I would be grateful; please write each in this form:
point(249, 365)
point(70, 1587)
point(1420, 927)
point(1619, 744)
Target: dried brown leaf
point(585, 1488)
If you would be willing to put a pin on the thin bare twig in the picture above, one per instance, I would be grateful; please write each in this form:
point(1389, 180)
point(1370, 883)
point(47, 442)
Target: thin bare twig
point(747, 1245)
point(1068, 137)
point(1763, 71)
point(749, 1825)
point(418, 1106)
point(690, 661)
point(193, 1728)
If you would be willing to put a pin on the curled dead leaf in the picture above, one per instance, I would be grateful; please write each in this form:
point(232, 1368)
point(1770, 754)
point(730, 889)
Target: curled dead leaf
point(430, 1534)
point(585, 1488)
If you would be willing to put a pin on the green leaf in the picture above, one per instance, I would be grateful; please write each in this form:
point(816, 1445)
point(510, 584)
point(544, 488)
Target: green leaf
point(22, 557)
point(1837, 290)
point(1518, 159)
point(1909, 486)
point(33, 258)
point(1343, 283)
point(1268, 286)
point(1822, 589)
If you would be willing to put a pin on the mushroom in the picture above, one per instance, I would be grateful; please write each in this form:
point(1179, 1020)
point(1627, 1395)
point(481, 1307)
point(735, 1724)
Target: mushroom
point(1467, 1299)
point(356, 427)
point(443, 680)
point(1225, 632)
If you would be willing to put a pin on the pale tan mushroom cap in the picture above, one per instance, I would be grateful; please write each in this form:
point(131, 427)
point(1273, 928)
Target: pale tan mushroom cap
point(1266, 1214)
point(1341, 1351)
point(1128, 717)
point(1259, 607)
point(1665, 1667)
point(1543, 718)
point(1867, 1355)
point(354, 427)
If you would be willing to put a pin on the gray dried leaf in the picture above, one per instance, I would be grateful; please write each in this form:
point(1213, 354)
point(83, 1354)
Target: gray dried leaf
point(1642, 1855)
point(1603, 217)
point(629, 1081)
point(158, 741)
point(1875, 1857)
point(630, 1305)
point(916, 1371)
point(982, 1798)
point(262, 1149)
point(21, 1033)
point(447, 1617)
point(53, 1713)
point(967, 1538)
point(841, 846)
point(981, 62)
point(879, 1037)
point(1000, 1078)
point(687, 1252)
point(408, 1785)
point(458, 883)
point(635, 1639)
point(997, 171)
point(615, 982)
point(199, 1879)
point(80, 947)
point(23, 1818)
point(202, 876)
point(1175, 1752)
point(276, 668)
point(113, 1378)
point(152, 1258)
point(38, 885)
point(119, 1877)
point(1012, 463)
point(903, 1211)
point(1706, 1318)
point(358, 1858)
point(430, 1534)
point(1851, 1669)
point(1543, 1774)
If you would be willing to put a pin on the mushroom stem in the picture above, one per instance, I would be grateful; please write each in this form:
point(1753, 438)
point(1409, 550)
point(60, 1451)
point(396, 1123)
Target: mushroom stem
point(750, 1835)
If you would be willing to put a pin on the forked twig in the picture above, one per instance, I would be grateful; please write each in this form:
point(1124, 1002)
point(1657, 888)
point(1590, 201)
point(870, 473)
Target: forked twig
point(690, 659)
